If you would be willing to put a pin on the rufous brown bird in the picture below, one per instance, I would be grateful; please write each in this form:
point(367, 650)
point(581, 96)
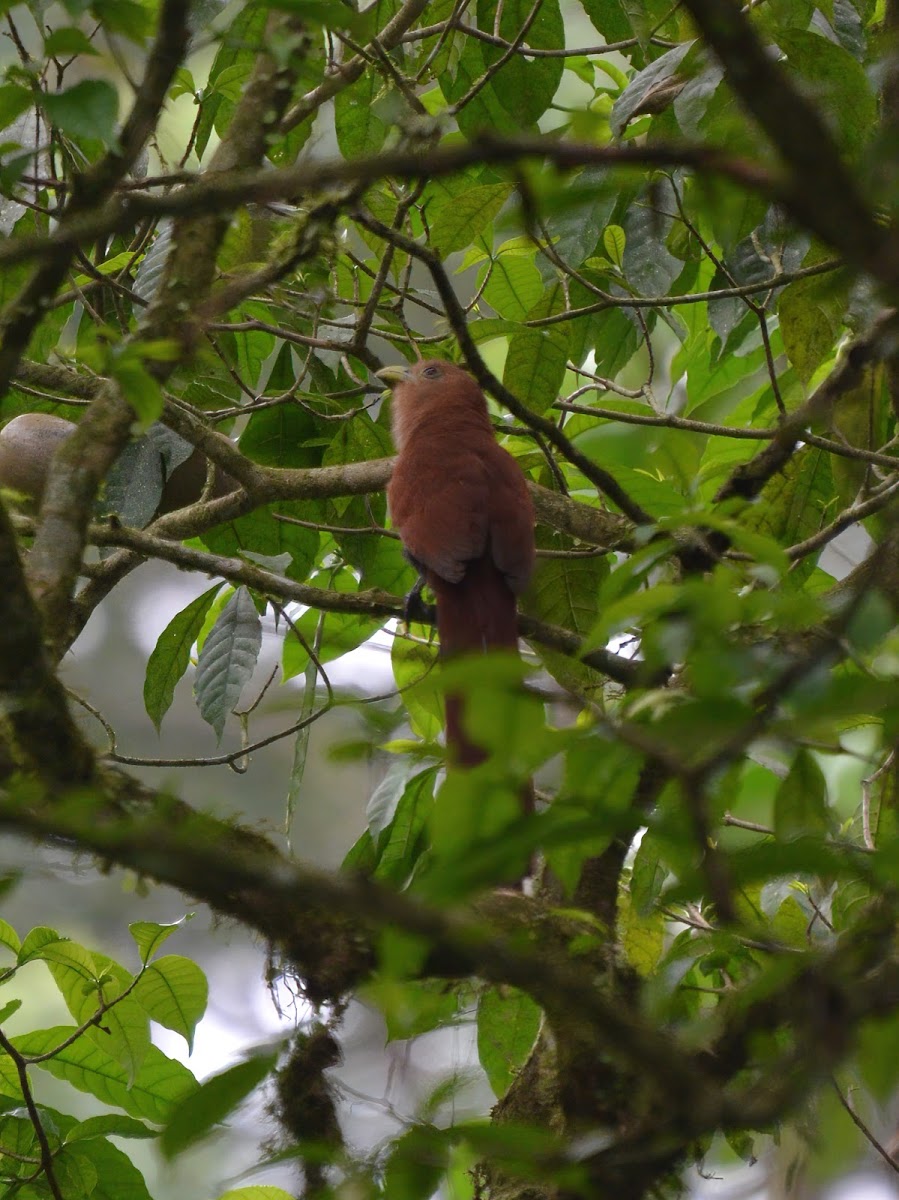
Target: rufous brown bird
point(462, 508)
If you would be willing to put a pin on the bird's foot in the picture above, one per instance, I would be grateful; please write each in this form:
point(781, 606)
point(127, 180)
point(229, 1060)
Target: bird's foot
point(416, 609)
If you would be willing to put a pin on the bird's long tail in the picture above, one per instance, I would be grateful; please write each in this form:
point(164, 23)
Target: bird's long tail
point(474, 616)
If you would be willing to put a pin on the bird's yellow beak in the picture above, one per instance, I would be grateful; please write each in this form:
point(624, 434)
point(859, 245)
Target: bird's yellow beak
point(393, 375)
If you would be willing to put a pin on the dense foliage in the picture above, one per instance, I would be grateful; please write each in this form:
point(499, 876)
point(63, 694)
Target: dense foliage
point(662, 238)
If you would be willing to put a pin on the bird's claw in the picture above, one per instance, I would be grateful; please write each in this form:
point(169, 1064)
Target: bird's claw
point(416, 609)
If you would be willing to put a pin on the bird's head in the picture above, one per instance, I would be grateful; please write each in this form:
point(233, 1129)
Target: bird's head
point(431, 380)
point(432, 391)
point(428, 374)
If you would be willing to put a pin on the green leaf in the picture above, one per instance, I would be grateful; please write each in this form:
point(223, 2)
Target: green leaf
point(173, 991)
point(400, 845)
point(514, 286)
point(75, 1174)
point(240, 43)
point(359, 128)
point(811, 314)
point(228, 659)
point(129, 17)
point(795, 505)
point(139, 388)
point(17, 1136)
point(524, 87)
point(800, 807)
point(614, 241)
point(878, 1056)
point(14, 100)
point(361, 856)
point(608, 17)
point(642, 938)
point(89, 109)
point(340, 632)
point(414, 664)
point(647, 262)
point(171, 655)
point(258, 533)
point(614, 341)
point(647, 875)
point(11, 1006)
point(416, 1164)
point(149, 936)
point(565, 592)
point(508, 1024)
point(110, 1124)
point(157, 1088)
point(35, 940)
point(109, 266)
point(67, 40)
point(456, 221)
point(283, 436)
point(484, 110)
point(117, 1177)
point(86, 981)
point(184, 84)
point(839, 83)
point(412, 1007)
point(260, 1191)
point(9, 937)
point(535, 363)
point(214, 1100)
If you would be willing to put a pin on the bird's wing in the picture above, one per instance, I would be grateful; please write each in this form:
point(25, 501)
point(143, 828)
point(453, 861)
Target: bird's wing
point(441, 511)
point(511, 520)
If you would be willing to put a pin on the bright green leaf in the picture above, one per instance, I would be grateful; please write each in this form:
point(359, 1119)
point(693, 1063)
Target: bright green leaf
point(88, 109)
point(214, 1100)
point(171, 655)
point(508, 1024)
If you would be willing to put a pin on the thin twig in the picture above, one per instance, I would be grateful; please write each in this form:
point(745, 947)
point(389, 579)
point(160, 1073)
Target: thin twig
point(860, 1125)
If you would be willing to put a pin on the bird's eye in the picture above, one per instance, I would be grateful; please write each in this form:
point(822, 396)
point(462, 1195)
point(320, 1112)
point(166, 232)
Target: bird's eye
point(431, 372)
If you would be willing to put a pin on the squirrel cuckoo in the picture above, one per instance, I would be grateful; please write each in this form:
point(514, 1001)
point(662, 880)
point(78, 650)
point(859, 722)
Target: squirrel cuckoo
point(462, 508)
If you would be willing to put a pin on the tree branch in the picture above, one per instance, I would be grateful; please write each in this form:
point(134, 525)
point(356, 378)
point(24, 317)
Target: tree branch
point(373, 602)
point(33, 704)
point(208, 194)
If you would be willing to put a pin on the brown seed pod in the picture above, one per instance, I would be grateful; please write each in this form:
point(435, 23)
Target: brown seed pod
point(27, 443)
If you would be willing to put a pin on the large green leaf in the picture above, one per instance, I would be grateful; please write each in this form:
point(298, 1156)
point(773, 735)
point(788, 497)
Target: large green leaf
point(88, 981)
point(214, 1100)
point(403, 841)
point(514, 286)
point(171, 655)
point(811, 314)
point(838, 81)
point(88, 109)
point(359, 128)
point(525, 88)
point(14, 99)
point(228, 659)
point(158, 1086)
point(535, 363)
point(150, 935)
point(800, 807)
point(508, 1024)
point(457, 220)
point(117, 1176)
point(236, 54)
point(173, 991)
